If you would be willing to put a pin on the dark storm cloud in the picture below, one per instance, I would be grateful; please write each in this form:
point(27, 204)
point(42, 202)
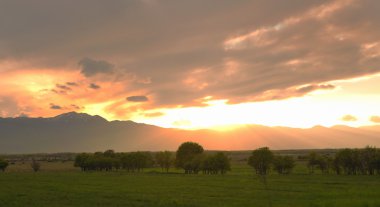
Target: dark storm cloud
point(55, 107)
point(63, 87)
point(92, 67)
point(137, 98)
point(71, 84)
point(191, 49)
point(94, 86)
point(75, 107)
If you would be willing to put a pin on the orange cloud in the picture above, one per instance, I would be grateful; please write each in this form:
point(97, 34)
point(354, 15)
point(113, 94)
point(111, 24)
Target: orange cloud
point(375, 119)
point(349, 118)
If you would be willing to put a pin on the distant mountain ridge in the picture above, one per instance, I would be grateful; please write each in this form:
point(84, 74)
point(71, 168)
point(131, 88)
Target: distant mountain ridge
point(74, 116)
point(79, 132)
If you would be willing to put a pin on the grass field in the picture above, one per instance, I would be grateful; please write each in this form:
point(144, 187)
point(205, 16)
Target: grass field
point(60, 184)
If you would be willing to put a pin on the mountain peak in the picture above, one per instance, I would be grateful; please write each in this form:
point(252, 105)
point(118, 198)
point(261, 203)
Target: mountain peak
point(75, 116)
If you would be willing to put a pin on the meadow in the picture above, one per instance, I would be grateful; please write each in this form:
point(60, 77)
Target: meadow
point(60, 184)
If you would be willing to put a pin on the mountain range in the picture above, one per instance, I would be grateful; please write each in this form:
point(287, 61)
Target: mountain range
point(79, 132)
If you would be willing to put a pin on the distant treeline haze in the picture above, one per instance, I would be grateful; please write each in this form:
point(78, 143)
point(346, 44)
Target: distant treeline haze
point(191, 158)
point(364, 161)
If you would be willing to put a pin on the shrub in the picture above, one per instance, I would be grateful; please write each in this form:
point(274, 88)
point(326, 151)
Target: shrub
point(261, 160)
point(283, 164)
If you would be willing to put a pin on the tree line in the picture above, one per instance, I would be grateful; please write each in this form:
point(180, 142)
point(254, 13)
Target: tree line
point(364, 161)
point(263, 160)
point(190, 157)
point(110, 160)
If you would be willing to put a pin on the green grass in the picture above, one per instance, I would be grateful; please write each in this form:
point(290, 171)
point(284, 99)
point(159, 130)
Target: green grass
point(58, 185)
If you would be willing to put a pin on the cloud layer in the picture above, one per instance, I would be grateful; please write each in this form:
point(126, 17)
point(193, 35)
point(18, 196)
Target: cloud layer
point(375, 119)
point(349, 118)
point(137, 98)
point(178, 52)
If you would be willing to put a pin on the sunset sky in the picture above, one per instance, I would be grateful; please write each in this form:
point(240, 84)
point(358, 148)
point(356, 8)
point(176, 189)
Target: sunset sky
point(193, 64)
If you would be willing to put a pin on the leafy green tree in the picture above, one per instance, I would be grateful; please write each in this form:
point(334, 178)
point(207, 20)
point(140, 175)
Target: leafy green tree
point(377, 161)
point(323, 163)
point(187, 157)
point(136, 161)
point(116, 162)
point(194, 166)
point(109, 153)
point(127, 161)
point(261, 160)
point(312, 161)
point(80, 161)
point(164, 160)
point(142, 160)
point(358, 161)
point(3, 164)
point(283, 164)
point(222, 162)
point(214, 164)
point(347, 160)
point(368, 160)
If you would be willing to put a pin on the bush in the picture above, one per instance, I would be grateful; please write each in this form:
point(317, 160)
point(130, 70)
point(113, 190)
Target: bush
point(214, 164)
point(3, 164)
point(283, 164)
point(164, 160)
point(261, 160)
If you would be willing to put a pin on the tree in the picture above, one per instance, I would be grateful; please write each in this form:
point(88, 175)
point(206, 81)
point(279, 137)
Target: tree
point(377, 161)
point(312, 161)
point(164, 160)
point(260, 160)
point(368, 159)
point(357, 161)
point(109, 153)
point(3, 164)
point(222, 162)
point(283, 164)
point(187, 157)
point(336, 165)
point(213, 164)
point(347, 161)
point(323, 163)
point(80, 161)
point(35, 165)
point(136, 161)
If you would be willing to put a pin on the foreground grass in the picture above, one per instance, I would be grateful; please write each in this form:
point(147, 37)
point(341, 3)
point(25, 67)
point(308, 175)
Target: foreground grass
point(151, 188)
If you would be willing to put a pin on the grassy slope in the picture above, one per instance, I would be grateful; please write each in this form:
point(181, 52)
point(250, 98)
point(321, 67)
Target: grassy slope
point(151, 188)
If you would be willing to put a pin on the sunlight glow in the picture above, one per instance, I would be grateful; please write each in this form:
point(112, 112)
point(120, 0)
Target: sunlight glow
point(324, 108)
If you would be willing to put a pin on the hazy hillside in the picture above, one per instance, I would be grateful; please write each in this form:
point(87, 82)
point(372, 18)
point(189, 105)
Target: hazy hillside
point(75, 132)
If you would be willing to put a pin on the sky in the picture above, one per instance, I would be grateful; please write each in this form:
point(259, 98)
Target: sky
point(193, 64)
